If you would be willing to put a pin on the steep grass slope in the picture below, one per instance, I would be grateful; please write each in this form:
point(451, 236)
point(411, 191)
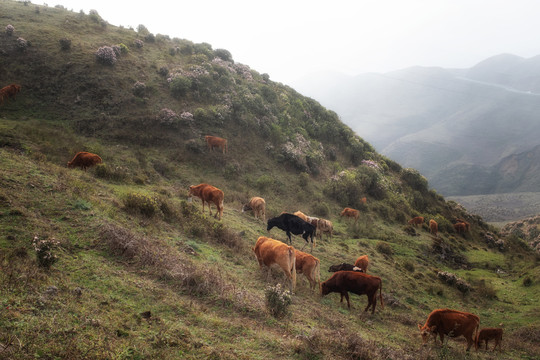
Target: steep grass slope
point(127, 268)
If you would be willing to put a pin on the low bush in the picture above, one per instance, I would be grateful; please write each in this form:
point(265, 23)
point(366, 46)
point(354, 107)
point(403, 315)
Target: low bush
point(65, 44)
point(142, 204)
point(179, 86)
point(278, 301)
point(44, 251)
point(384, 248)
point(9, 30)
point(139, 89)
point(22, 44)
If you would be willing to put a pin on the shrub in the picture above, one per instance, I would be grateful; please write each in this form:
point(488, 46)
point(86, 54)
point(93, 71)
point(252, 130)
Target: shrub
point(163, 71)
point(141, 204)
point(138, 89)
point(141, 29)
point(453, 280)
point(527, 282)
point(44, 253)
point(409, 266)
point(321, 209)
point(9, 30)
point(167, 117)
point(384, 248)
point(150, 38)
point(94, 16)
point(223, 54)
point(263, 182)
point(65, 44)
point(138, 43)
point(414, 179)
point(105, 55)
point(277, 300)
point(123, 48)
point(22, 44)
point(104, 171)
point(179, 86)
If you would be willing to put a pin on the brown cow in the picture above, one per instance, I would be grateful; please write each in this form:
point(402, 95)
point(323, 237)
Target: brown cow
point(9, 92)
point(269, 252)
point(302, 216)
point(258, 205)
point(356, 282)
point(214, 141)
point(487, 334)
point(324, 227)
point(449, 322)
point(308, 265)
point(350, 213)
point(84, 160)
point(417, 220)
point(433, 227)
point(362, 262)
point(208, 193)
point(460, 228)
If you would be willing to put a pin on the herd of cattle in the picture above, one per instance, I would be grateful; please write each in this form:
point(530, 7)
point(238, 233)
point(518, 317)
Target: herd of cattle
point(346, 278)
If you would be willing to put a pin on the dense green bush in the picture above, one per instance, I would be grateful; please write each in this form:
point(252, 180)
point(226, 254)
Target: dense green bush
point(414, 179)
point(223, 54)
point(142, 204)
point(179, 86)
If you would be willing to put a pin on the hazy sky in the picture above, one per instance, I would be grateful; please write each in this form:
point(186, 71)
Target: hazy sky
point(291, 38)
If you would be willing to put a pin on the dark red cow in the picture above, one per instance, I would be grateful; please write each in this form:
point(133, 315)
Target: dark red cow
point(449, 322)
point(84, 160)
point(9, 92)
point(487, 334)
point(358, 283)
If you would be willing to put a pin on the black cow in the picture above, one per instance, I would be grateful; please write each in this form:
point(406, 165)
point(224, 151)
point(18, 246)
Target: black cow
point(344, 267)
point(293, 224)
point(358, 283)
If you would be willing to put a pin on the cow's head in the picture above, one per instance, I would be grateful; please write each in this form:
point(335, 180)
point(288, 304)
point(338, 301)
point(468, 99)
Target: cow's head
point(426, 332)
point(246, 207)
point(325, 290)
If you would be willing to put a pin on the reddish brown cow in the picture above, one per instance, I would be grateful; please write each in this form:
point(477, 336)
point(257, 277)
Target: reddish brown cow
point(9, 92)
point(351, 213)
point(418, 220)
point(460, 228)
point(362, 262)
point(356, 282)
point(269, 252)
point(433, 227)
point(449, 322)
point(487, 334)
point(258, 205)
point(84, 160)
point(210, 194)
point(324, 227)
point(214, 141)
point(308, 265)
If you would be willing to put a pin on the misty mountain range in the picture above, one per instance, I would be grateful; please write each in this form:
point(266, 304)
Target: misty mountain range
point(469, 131)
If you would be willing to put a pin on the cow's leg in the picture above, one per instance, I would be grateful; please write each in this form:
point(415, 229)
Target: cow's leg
point(347, 297)
point(470, 342)
point(289, 236)
point(486, 343)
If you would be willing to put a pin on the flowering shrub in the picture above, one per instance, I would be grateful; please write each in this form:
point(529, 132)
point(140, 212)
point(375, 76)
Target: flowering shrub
point(139, 89)
point(44, 250)
point(453, 280)
point(22, 44)
point(278, 300)
point(138, 43)
point(65, 44)
point(106, 55)
point(371, 164)
point(167, 116)
point(117, 50)
point(9, 30)
point(187, 116)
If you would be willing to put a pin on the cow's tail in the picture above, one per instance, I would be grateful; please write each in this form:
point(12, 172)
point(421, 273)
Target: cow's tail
point(380, 295)
point(292, 269)
point(316, 274)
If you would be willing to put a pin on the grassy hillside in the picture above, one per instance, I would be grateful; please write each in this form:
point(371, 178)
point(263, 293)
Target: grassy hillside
point(115, 263)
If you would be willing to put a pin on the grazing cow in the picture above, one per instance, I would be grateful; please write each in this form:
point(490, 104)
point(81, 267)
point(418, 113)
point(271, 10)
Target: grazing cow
point(344, 267)
point(433, 227)
point(269, 251)
point(84, 160)
point(350, 213)
point(418, 220)
point(214, 141)
point(460, 228)
point(324, 227)
point(487, 334)
point(463, 228)
point(308, 265)
point(258, 205)
point(449, 322)
point(210, 194)
point(293, 224)
point(301, 215)
point(9, 92)
point(362, 262)
point(356, 282)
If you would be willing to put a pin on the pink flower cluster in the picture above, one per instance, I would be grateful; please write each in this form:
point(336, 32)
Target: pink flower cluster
point(371, 163)
point(9, 30)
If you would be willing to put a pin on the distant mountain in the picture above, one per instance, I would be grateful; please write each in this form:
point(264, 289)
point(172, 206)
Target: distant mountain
point(459, 127)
